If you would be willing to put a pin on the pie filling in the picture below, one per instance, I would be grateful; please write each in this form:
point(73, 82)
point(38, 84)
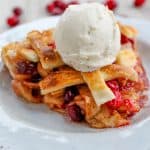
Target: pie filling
point(40, 76)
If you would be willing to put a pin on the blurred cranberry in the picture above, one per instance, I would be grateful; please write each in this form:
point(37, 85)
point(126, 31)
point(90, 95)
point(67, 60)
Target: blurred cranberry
point(52, 45)
point(56, 8)
point(24, 67)
point(113, 84)
point(128, 86)
point(57, 11)
point(129, 107)
point(60, 4)
point(13, 21)
point(68, 96)
point(50, 7)
point(128, 104)
point(139, 3)
point(74, 112)
point(17, 11)
point(116, 102)
point(36, 78)
point(125, 40)
point(111, 4)
point(70, 93)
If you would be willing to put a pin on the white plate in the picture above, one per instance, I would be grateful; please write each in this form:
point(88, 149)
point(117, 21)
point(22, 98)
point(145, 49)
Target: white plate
point(33, 127)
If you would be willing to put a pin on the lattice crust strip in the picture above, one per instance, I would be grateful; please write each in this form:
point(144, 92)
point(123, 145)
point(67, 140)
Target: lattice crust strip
point(98, 87)
point(67, 77)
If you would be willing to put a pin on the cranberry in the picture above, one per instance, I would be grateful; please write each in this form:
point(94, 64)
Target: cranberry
point(125, 40)
point(57, 7)
point(50, 7)
point(113, 84)
point(70, 93)
point(60, 4)
point(57, 11)
point(36, 92)
point(36, 78)
point(129, 107)
point(17, 11)
point(52, 45)
point(68, 96)
point(111, 4)
point(127, 103)
point(139, 3)
point(13, 21)
point(75, 113)
point(24, 67)
point(127, 86)
point(116, 102)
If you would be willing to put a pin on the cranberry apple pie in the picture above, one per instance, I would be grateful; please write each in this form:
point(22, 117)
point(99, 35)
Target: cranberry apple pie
point(104, 96)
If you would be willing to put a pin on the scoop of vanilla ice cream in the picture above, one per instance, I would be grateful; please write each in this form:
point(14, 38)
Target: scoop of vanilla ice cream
point(87, 37)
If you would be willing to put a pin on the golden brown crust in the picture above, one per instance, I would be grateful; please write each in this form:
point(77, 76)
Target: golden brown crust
point(67, 76)
point(54, 102)
point(43, 72)
point(25, 91)
point(117, 71)
point(49, 58)
point(106, 119)
point(96, 83)
point(127, 30)
point(11, 57)
point(60, 79)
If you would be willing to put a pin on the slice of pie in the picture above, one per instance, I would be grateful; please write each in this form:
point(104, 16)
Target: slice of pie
point(104, 98)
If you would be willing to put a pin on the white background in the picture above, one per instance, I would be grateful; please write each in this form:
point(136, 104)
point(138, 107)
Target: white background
point(35, 9)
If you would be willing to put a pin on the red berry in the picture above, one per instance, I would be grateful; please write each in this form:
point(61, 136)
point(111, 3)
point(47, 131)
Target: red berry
point(56, 8)
point(57, 11)
point(113, 84)
point(128, 86)
point(60, 4)
point(129, 107)
point(127, 103)
point(75, 113)
point(13, 21)
point(70, 93)
point(36, 78)
point(116, 102)
point(139, 3)
point(50, 7)
point(52, 45)
point(125, 40)
point(17, 11)
point(111, 4)
point(24, 67)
